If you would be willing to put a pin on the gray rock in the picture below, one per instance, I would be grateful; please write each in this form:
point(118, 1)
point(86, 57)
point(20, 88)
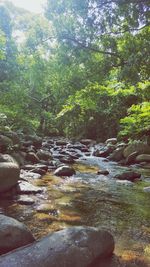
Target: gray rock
point(76, 247)
point(117, 155)
point(9, 175)
point(138, 147)
point(13, 234)
point(7, 158)
point(25, 200)
point(27, 188)
point(143, 158)
point(64, 171)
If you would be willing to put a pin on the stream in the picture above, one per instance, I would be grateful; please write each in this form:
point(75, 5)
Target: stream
point(86, 198)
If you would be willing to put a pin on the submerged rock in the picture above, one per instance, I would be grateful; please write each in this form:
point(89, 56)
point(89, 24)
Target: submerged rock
point(13, 234)
point(76, 247)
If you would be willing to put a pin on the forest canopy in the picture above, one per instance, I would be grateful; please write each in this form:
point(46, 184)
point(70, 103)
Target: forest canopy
point(80, 70)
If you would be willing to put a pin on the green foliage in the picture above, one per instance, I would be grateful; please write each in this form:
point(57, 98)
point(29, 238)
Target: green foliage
point(137, 123)
point(96, 110)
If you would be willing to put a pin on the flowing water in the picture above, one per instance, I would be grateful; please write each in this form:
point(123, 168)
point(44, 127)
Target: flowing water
point(121, 207)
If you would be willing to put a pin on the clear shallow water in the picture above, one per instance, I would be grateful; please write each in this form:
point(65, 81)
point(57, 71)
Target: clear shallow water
point(94, 200)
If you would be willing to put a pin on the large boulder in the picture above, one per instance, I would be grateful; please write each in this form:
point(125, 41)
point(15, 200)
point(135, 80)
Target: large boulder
point(143, 158)
point(75, 247)
point(64, 171)
point(140, 148)
point(13, 234)
point(9, 175)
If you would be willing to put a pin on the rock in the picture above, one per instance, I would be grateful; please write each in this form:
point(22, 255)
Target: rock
point(61, 143)
point(67, 159)
point(113, 141)
point(47, 208)
point(103, 172)
point(75, 246)
point(29, 175)
point(9, 175)
point(5, 142)
point(128, 175)
point(27, 188)
point(25, 200)
point(35, 140)
point(131, 158)
point(117, 155)
point(64, 171)
point(86, 141)
point(138, 147)
point(32, 157)
point(102, 153)
point(44, 155)
point(7, 158)
point(13, 234)
point(143, 158)
point(147, 189)
point(14, 137)
point(19, 157)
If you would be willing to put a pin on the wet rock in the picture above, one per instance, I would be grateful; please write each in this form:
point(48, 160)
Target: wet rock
point(64, 171)
point(113, 141)
point(25, 200)
point(47, 208)
point(76, 246)
point(61, 143)
point(128, 175)
point(67, 160)
point(27, 188)
point(131, 158)
point(29, 175)
point(9, 175)
point(32, 157)
point(44, 155)
point(143, 158)
point(103, 172)
point(102, 153)
point(86, 141)
point(138, 147)
point(13, 234)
